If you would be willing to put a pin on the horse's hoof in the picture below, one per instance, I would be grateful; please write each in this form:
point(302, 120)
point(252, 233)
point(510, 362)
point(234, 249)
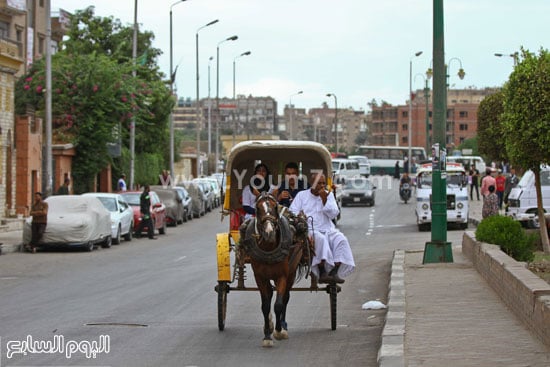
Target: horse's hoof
point(280, 335)
point(267, 343)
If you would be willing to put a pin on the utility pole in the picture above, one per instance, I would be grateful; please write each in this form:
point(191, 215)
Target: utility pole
point(49, 166)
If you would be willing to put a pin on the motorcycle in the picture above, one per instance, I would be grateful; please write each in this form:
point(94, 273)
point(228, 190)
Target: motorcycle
point(405, 192)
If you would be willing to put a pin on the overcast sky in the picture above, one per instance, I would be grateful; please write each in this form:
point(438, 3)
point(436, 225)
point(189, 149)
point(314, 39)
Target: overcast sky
point(358, 50)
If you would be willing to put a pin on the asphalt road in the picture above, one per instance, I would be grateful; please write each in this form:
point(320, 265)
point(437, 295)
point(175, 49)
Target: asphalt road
point(152, 303)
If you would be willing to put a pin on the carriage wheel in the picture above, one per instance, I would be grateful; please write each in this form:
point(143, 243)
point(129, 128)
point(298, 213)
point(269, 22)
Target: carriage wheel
point(332, 292)
point(222, 290)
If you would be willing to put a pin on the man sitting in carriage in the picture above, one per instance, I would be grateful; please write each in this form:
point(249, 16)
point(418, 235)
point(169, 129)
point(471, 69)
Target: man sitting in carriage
point(333, 258)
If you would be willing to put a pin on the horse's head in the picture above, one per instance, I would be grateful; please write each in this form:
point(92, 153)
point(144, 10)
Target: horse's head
point(267, 217)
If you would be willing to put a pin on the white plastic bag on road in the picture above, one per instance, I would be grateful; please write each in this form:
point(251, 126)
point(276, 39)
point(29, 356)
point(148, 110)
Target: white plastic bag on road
point(373, 305)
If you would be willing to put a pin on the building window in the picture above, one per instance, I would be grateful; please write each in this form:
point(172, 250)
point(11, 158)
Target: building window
point(463, 127)
point(463, 114)
point(461, 139)
point(41, 3)
point(4, 30)
point(405, 114)
point(404, 140)
point(41, 45)
point(430, 114)
point(404, 127)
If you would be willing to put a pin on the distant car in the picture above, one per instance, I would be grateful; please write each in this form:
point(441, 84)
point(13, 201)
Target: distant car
point(198, 198)
point(175, 211)
point(74, 221)
point(220, 177)
point(364, 165)
point(357, 191)
point(215, 190)
point(187, 202)
point(158, 210)
point(208, 192)
point(122, 215)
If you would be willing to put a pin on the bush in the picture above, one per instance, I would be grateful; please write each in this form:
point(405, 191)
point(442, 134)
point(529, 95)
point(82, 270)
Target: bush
point(508, 234)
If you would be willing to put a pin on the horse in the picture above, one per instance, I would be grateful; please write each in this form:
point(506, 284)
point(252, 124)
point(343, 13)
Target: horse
point(276, 254)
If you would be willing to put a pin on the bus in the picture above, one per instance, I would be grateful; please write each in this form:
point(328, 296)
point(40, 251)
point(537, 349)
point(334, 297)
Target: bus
point(382, 158)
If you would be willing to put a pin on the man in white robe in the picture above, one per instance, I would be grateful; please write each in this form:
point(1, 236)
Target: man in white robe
point(333, 257)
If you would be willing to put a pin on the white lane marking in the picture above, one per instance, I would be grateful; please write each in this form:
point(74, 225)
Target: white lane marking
point(180, 258)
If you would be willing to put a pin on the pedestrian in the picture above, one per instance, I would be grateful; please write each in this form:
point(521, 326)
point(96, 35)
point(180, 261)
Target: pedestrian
point(64, 189)
point(396, 173)
point(39, 213)
point(501, 183)
point(318, 204)
point(474, 184)
point(487, 181)
point(145, 210)
point(490, 203)
point(121, 185)
point(511, 181)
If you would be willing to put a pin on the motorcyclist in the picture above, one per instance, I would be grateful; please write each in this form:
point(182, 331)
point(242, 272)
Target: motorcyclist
point(405, 179)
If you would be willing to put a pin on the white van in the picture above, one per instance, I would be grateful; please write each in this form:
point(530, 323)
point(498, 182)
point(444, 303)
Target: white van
point(344, 169)
point(364, 165)
point(457, 196)
point(522, 201)
point(469, 162)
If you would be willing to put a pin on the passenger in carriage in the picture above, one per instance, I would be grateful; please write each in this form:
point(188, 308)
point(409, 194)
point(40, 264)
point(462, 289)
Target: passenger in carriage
point(333, 257)
point(260, 182)
point(291, 185)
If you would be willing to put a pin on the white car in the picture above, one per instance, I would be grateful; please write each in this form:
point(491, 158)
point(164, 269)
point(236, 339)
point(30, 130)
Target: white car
point(122, 215)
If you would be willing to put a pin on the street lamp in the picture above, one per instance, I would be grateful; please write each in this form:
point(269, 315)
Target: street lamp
point(335, 119)
point(514, 56)
point(234, 100)
point(409, 128)
point(198, 114)
point(209, 110)
point(218, 120)
point(290, 125)
point(427, 98)
point(172, 78)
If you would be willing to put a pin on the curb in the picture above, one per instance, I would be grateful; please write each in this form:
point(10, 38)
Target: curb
point(392, 348)
point(7, 248)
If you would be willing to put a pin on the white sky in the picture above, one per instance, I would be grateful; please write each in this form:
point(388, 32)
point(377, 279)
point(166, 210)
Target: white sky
point(356, 49)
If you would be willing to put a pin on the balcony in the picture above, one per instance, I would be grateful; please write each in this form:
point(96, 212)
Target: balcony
point(12, 7)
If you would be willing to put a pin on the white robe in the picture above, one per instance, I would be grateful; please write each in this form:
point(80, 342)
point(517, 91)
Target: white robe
point(330, 244)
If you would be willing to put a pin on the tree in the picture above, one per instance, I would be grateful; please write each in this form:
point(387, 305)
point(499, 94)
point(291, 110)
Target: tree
point(471, 144)
point(96, 98)
point(489, 128)
point(526, 120)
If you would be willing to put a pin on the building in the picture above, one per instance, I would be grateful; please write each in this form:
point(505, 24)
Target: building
point(389, 124)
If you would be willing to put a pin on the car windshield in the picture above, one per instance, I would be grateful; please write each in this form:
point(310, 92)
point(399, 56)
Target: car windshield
point(358, 184)
point(132, 198)
point(108, 203)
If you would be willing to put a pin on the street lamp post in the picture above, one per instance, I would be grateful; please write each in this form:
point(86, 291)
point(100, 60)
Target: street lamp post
point(234, 100)
point(209, 110)
point(198, 113)
point(427, 99)
point(291, 111)
point(133, 123)
point(514, 56)
point(335, 119)
point(218, 120)
point(409, 127)
point(172, 78)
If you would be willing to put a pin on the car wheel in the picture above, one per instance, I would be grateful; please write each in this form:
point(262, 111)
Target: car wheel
point(108, 242)
point(89, 247)
point(117, 239)
point(128, 236)
point(185, 216)
point(162, 230)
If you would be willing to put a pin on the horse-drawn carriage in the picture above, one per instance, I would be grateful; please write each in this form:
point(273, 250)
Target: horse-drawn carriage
point(233, 261)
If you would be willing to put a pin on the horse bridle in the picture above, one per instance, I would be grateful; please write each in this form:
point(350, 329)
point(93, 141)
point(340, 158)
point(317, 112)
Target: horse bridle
point(267, 216)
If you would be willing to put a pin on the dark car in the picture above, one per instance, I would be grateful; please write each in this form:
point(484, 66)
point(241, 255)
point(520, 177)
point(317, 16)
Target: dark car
point(198, 198)
point(357, 191)
point(158, 210)
point(175, 211)
point(187, 202)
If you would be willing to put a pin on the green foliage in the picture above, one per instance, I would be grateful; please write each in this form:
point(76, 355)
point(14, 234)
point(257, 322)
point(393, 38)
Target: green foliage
point(527, 111)
point(508, 234)
point(472, 144)
point(489, 129)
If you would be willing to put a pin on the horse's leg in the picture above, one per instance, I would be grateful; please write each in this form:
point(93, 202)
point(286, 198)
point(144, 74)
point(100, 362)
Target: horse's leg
point(266, 293)
point(280, 308)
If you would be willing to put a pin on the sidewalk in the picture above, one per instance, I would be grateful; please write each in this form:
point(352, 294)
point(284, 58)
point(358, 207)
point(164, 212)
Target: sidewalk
point(11, 236)
point(446, 314)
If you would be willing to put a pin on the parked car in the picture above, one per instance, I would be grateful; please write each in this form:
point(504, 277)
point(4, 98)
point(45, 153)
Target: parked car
point(522, 201)
point(357, 191)
point(207, 189)
point(220, 177)
point(198, 197)
point(214, 187)
point(74, 221)
point(158, 210)
point(175, 211)
point(122, 215)
point(187, 202)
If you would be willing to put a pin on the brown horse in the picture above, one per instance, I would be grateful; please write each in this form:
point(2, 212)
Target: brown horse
point(275, 255)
